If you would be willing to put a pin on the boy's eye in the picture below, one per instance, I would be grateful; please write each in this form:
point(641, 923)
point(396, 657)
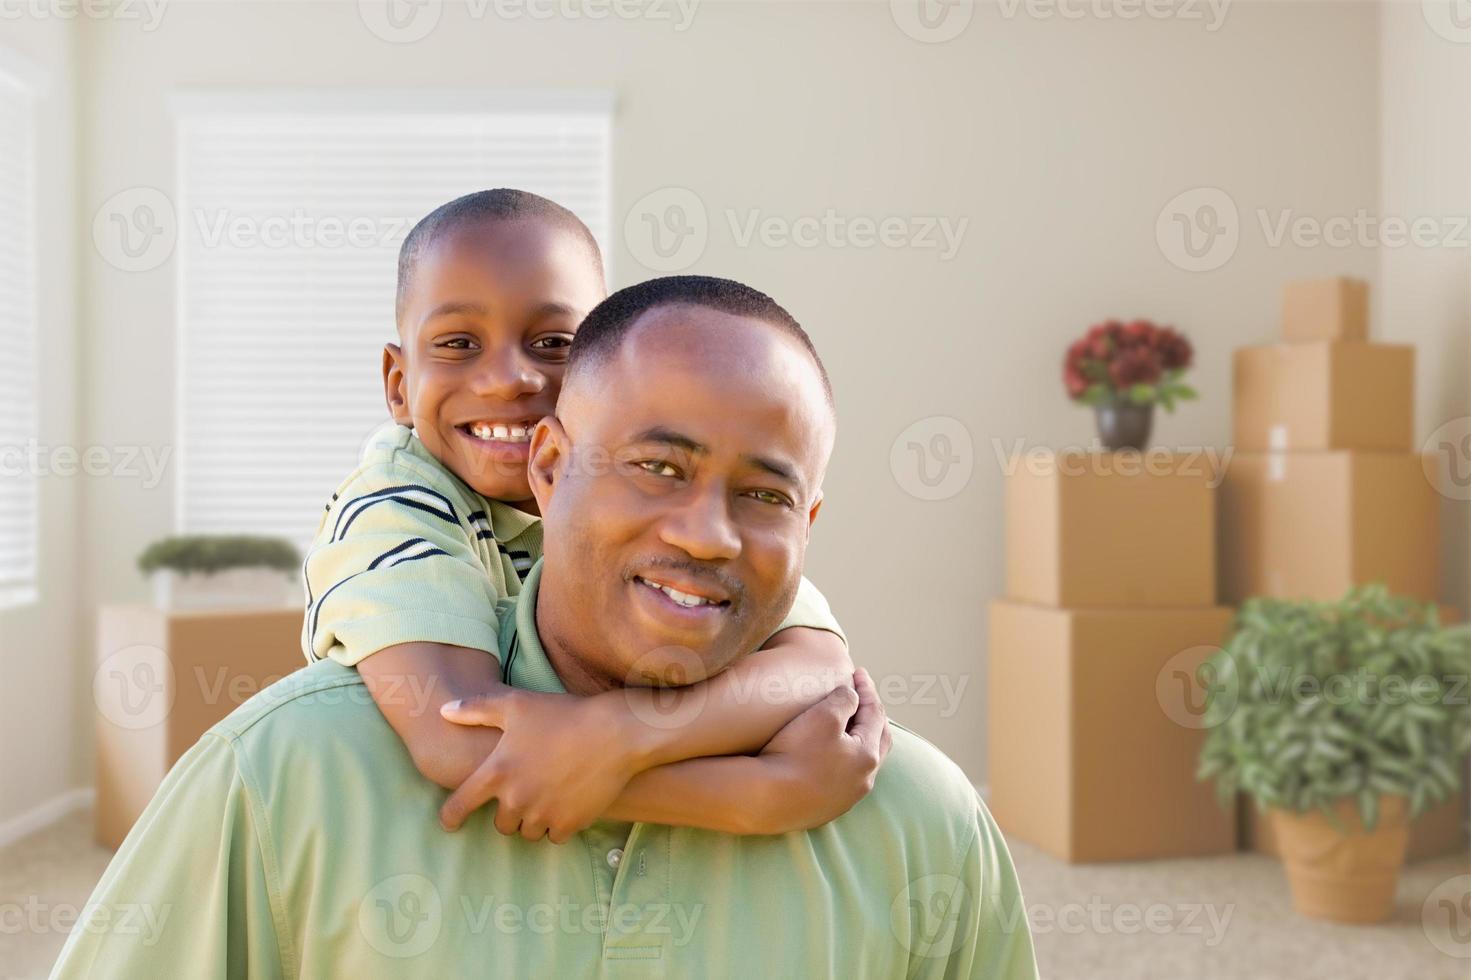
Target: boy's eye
point(556, 344)
point(457, 343)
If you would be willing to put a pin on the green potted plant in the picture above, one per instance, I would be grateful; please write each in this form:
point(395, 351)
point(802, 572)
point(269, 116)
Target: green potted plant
point(1342, 721)
point(211, 571)
point(1123, 370)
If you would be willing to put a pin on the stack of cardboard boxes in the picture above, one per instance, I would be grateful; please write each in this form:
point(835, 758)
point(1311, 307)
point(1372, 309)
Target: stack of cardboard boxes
point(1325, 490)
point(164, 678)
point(1110, 576)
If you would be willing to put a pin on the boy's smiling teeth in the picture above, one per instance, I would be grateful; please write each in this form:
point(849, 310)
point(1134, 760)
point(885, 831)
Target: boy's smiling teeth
point(498, 432)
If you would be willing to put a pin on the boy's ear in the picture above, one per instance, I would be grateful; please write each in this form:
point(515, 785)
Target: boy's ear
point(395, 385)
point(550, 449)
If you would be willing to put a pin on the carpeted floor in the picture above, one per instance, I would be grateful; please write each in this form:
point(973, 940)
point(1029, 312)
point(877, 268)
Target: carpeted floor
point(1226, 918)
point(45, 880)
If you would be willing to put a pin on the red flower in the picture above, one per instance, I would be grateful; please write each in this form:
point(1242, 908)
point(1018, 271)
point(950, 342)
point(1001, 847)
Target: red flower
point(1072, 368)
point(1134, 365)
point(1076, 383)
point(1175, 351)
point(1137, 333)
point(1103, 339)
point(1118, 355)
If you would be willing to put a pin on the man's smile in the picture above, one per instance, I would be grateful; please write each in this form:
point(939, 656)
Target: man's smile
point(674, 606)
point(688, 596)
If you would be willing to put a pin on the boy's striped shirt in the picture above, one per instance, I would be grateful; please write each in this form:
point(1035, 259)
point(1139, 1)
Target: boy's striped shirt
point(407, 552)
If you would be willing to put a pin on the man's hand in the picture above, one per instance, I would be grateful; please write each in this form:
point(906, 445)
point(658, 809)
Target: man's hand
point(557, 767)
point(825, 760)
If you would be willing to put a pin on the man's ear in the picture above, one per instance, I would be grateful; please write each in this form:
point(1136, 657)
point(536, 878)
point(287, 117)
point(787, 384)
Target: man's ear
point(812, 514)
point(396, 386)
point(550, 449)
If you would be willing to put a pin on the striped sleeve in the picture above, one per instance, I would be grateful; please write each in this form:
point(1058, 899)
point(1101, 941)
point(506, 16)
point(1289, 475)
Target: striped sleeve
point(395, 561)
point(810, 609)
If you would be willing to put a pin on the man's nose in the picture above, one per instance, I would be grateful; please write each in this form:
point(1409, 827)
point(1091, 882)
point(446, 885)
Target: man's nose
point(701, 526)
point(507, 375)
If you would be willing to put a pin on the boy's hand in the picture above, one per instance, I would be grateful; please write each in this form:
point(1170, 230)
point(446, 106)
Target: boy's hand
point(825, 760)
point(555, 770)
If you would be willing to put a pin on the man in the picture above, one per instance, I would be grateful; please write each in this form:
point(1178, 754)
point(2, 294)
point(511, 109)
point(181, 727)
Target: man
point(686, 456)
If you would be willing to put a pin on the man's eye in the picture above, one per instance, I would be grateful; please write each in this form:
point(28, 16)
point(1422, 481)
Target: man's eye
point(770, 497)
point(658, 467)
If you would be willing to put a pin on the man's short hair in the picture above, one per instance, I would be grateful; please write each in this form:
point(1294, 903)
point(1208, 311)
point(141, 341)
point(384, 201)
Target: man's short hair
point(499, 204)
point(604, 330)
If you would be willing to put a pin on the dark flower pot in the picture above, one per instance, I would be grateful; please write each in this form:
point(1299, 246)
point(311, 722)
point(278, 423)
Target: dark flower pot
point(1124, 425)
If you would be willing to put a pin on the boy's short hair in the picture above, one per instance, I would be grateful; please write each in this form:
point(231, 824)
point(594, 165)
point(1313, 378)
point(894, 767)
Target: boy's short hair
point(498, 204)
point(603, 331)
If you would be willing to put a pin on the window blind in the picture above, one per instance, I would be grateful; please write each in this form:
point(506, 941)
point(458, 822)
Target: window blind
point(19, 473)
point(290, 219)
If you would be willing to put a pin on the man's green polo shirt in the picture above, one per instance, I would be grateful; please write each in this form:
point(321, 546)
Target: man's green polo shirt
point(296, 839)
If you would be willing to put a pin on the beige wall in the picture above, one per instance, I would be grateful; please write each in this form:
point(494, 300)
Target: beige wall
point(41, 739)
point(1424, 294)
point(1058, 141)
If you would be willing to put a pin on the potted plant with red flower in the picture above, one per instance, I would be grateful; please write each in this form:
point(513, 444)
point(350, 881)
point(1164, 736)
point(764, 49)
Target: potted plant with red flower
point(1123, 370)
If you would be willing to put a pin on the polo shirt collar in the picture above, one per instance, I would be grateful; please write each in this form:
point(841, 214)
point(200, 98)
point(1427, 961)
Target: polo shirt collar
point(510, 524)
point(525, 657)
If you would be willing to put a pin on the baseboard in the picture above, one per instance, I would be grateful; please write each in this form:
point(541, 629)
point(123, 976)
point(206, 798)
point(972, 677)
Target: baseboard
point(46, 814)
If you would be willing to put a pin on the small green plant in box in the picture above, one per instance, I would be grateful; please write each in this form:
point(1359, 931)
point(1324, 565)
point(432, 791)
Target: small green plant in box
point(200, 571)
point(1342, 720)
point(217, 552)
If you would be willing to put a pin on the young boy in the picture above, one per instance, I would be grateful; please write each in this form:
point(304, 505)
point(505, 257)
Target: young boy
point(438, 523)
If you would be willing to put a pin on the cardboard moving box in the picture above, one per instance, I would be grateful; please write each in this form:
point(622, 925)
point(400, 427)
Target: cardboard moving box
point(1325, 309)
point(1313, 525)
point(1106, 529)
point(1327, 395)
point(1093, 731)
point(162, 680)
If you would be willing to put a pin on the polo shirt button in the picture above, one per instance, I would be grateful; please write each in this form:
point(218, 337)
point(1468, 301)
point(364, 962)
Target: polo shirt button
point(615, 857)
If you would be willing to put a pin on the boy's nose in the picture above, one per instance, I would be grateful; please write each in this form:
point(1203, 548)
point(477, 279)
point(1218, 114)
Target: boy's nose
point(508, 377)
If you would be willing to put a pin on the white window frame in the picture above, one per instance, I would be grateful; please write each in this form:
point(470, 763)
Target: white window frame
point(189, 105)
point(27, 79)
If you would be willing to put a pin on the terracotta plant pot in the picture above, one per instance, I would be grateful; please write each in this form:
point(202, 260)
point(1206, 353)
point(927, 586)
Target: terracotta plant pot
point(1346, 875)
point(1124, 425)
